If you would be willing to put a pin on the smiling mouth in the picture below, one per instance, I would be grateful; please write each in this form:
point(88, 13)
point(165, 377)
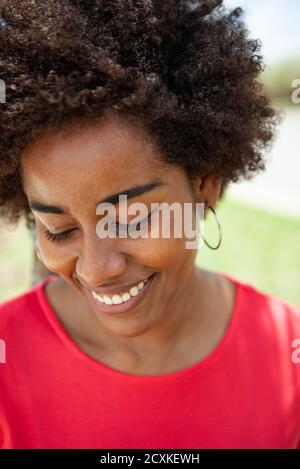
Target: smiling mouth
point(124, 301)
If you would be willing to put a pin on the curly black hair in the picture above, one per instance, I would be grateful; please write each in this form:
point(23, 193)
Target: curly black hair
point(186, 69)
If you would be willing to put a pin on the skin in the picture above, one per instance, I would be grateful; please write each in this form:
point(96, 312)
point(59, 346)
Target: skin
point(190, 308)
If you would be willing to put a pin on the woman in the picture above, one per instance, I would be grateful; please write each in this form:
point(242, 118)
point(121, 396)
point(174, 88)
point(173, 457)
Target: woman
point(127, 344)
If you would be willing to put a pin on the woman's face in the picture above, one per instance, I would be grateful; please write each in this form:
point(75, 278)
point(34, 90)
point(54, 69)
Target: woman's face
point(66, 175)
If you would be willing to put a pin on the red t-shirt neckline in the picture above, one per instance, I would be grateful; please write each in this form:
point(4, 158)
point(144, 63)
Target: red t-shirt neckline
point(185, 372)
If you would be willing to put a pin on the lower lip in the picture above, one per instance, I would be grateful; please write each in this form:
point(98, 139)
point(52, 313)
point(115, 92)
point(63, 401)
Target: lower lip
point(128, 305)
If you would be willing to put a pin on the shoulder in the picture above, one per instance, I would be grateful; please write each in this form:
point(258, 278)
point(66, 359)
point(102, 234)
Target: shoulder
point(267, 317)
point(20, 310)
point(270, 307)
point(10, 309)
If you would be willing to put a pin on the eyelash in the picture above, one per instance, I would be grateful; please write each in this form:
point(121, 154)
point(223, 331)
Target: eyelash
point(58, 237)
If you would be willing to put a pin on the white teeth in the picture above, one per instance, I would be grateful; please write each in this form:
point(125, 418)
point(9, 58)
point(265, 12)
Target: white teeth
point(98, 297)
point(118, 299)
point(134, 291)
point(126, 297)
point(107, 300)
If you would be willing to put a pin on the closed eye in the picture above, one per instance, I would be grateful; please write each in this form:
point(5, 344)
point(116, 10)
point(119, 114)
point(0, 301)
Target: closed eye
point(56, 237)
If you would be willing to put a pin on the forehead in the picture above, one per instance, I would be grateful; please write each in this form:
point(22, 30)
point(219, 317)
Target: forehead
point(107, 144)
point(83, 159)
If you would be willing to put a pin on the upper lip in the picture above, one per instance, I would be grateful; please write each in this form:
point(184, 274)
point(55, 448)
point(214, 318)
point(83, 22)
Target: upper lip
point(116, 289)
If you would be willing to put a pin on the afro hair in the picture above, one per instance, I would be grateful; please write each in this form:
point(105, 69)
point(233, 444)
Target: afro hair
point(186, 69)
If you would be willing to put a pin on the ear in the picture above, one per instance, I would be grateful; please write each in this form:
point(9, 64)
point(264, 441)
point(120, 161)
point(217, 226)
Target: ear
point(207, 189)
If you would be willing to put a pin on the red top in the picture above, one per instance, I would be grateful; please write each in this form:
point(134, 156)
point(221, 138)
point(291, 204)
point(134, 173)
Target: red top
point(245, 394)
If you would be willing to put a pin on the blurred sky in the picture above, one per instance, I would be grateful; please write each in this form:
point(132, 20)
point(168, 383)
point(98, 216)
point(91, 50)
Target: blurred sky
point(276, 23)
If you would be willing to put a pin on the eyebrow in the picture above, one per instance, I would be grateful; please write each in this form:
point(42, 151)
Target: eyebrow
point(132, 192)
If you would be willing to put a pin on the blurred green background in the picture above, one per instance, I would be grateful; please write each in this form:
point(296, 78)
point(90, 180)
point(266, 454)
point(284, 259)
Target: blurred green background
point(260, 218)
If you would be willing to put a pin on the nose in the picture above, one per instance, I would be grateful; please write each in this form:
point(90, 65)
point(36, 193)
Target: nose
point(99, 261)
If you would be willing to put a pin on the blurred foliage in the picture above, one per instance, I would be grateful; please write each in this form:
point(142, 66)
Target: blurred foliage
point(258, 247)
point(16, 254)
point(278, 80)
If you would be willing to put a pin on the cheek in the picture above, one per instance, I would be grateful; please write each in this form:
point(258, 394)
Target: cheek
point(161, 253)
point(57, 259)
point(167, 252)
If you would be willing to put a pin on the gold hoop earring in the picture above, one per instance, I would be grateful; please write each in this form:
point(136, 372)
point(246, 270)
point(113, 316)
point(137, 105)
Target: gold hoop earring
point(219, 228)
